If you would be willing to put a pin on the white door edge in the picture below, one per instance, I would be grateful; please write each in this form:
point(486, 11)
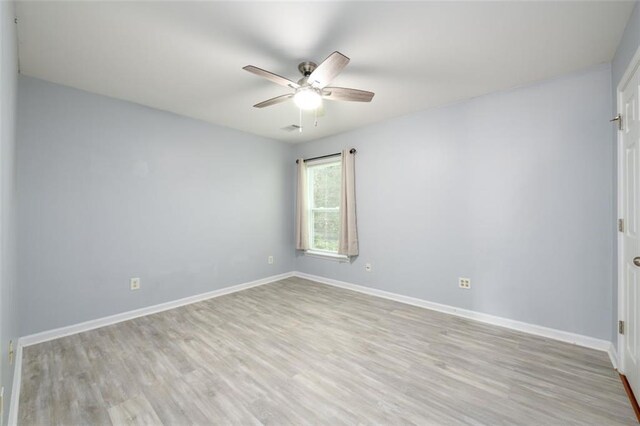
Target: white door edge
point(634, 64)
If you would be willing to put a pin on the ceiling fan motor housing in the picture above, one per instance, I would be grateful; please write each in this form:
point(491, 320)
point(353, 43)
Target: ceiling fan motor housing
point(306, 68)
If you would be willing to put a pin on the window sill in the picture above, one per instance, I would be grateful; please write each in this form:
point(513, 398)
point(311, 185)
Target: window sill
point(327, 255)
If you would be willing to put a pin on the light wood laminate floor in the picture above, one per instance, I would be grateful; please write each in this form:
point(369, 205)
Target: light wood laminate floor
point(298, 352)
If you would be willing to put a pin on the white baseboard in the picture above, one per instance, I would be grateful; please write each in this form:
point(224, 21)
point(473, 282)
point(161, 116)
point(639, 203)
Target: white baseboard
point(56, 333)
point(564, 336)
point(551, 333)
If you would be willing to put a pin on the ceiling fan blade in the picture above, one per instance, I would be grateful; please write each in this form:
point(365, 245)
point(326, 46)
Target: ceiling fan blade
point(328, 70)
point(346, 94)
point(271, 76)
point(273, 101)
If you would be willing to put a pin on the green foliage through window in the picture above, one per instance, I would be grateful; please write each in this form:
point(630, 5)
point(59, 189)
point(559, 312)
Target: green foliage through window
point(324, 199)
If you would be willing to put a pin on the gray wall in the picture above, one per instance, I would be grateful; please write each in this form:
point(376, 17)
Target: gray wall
point(8, 290)
point(110, 190)
point(626, 49)
point(513, 190)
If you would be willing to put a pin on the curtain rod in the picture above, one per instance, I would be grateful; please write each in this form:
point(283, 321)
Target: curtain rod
point(351, 151)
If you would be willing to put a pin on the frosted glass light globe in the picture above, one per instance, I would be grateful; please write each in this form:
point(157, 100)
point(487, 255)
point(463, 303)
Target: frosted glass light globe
point(307, 98)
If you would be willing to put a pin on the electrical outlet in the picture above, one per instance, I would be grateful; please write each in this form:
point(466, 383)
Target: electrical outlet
point(11, 352)
point(367, 267)
point(135, 283)
point(464, 283)
point(270, 260)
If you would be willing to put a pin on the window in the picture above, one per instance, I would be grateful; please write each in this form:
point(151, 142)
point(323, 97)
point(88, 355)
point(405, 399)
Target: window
point(324, 181)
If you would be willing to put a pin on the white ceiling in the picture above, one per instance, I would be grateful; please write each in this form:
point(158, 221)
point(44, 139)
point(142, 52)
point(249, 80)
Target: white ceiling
point(187, 57)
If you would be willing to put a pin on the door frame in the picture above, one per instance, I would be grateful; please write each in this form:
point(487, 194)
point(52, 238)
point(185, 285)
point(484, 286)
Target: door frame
point(633, 66)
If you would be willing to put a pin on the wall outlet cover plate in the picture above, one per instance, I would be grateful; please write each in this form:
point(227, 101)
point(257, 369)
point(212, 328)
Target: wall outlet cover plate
point(134, 283)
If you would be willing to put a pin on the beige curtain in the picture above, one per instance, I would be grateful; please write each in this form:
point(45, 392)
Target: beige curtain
point(348, 244)
point(302, 224)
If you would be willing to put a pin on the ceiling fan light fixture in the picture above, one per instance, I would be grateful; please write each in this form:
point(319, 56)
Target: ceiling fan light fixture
point(314, 86)
point(307, 98)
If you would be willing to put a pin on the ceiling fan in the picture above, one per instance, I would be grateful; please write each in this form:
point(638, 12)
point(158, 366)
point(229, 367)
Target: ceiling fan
point(314, 84)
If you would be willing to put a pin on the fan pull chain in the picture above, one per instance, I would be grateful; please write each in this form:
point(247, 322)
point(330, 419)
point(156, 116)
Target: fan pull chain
point(315, 112)
point(300, 120)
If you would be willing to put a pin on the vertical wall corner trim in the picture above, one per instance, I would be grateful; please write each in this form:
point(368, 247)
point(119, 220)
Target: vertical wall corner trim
point(15, 387)
point(613, 355)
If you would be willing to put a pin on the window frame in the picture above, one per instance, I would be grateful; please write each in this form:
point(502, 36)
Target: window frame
point(314, 252)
